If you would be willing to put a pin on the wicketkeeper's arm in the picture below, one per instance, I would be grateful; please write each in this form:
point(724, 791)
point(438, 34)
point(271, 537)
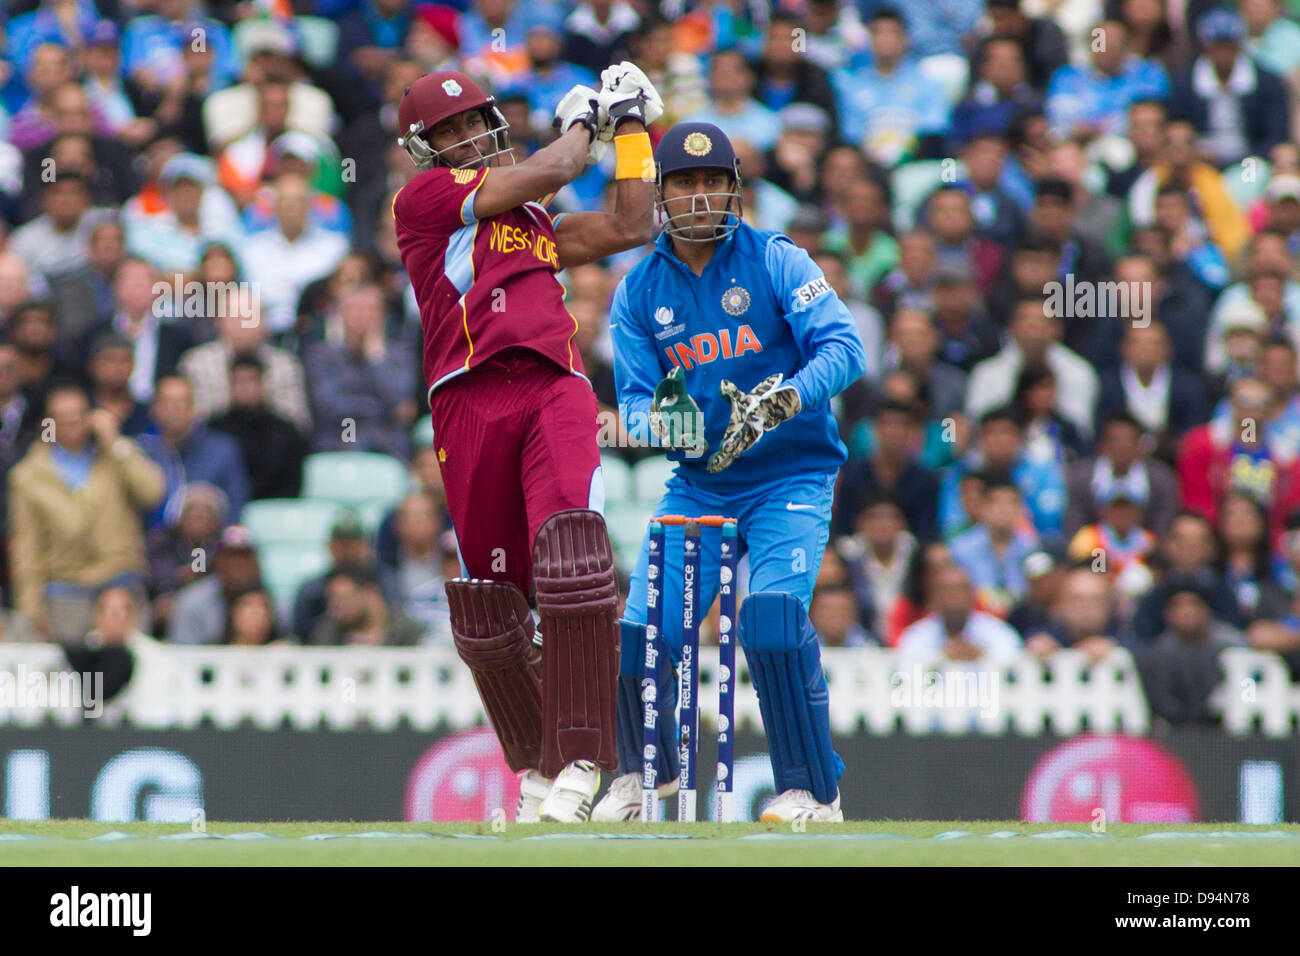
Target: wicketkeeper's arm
point(821, 323)
point(636, 369)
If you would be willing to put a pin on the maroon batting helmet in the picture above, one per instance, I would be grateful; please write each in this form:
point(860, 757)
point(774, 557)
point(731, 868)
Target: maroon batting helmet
point(434, 97)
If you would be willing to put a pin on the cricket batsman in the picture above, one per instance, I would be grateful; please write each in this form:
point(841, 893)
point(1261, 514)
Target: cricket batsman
point(514, 417)
point(722, 335)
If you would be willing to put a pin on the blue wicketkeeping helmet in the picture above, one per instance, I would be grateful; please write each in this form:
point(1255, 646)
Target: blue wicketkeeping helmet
point(698, 146)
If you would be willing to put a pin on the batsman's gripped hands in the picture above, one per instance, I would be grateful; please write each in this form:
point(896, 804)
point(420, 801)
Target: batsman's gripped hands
point(675, 418)
point(625, 93)
point(752, 414)
point(581, 105)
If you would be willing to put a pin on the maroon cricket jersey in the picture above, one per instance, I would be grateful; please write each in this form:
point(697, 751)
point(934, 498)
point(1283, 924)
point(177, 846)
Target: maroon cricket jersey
point(483, 285)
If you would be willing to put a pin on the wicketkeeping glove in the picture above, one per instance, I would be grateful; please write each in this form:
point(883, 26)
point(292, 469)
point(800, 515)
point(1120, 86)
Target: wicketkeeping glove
point(753, 413)
point(674, 416)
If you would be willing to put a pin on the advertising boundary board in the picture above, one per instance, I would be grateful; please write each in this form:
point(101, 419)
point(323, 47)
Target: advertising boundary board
point(118, 774)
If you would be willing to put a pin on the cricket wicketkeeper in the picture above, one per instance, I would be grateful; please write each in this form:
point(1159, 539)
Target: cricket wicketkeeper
point(729, 340)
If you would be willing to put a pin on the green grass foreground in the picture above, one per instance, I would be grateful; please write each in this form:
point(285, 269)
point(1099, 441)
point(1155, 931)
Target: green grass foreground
point(877, 843)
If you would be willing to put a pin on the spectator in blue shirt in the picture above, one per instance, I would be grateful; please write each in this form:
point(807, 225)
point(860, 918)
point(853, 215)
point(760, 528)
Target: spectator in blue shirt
point(940, 26)
point(550, 77)
point(45, 24)
point(370, 39)
point(188, 451)
point(1087, 101)
point(734, 109)
point(153, 47)
point(890, 109)
point(992, 551)
point(999, 94)
point(786, 75)
point(1000, 448)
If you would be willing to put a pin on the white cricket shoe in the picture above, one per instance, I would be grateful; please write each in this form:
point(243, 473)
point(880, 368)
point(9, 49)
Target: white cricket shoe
point(623, 802)
point(533, 788)
point(570, 798)
point(802, 805)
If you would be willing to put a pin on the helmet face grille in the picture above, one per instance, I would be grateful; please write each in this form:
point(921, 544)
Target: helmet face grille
point(435, 98)
point(495, 142)
point(680, 226)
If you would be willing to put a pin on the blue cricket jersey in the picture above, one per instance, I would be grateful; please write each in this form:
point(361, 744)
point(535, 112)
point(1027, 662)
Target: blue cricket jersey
point(761, 306)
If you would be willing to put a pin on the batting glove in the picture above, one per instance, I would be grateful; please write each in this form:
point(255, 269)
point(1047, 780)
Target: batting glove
point(577, 106)
point(626, 92)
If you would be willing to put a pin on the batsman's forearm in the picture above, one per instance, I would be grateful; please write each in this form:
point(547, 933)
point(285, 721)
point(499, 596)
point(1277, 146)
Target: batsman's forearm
point(566, 158)
point(634, 192)
point(634, 209)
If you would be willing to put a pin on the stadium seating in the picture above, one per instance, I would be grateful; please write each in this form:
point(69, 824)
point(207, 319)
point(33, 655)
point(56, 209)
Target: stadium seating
point(372, 514)
point(354, 478)
point(950, 71)
point(422, 432)
point(617, 475)
point(627, 522)
point(1245, 183)
point(911, 184)
point(651, 475)
point(285, 567)
point(301, 521)
point(318, 38)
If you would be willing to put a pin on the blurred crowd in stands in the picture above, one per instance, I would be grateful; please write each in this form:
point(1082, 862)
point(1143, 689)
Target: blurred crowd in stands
point(1068, 230)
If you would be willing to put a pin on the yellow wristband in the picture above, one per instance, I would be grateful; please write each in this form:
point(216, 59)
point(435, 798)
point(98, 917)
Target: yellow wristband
point(635, 158)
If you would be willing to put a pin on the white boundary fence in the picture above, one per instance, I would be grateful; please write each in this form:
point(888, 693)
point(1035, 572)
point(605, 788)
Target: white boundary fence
point(873, 690)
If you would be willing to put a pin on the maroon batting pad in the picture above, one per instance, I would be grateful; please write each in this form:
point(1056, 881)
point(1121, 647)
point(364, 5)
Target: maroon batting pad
point(577, 596)
point(493, 628)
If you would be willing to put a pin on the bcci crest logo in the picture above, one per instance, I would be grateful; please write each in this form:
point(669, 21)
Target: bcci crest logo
point(451, 88)
point(698, 144)
point(735, 300)
point(664, 315)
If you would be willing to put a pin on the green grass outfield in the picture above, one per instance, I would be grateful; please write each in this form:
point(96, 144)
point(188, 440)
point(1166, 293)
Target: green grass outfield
point(892, 843)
